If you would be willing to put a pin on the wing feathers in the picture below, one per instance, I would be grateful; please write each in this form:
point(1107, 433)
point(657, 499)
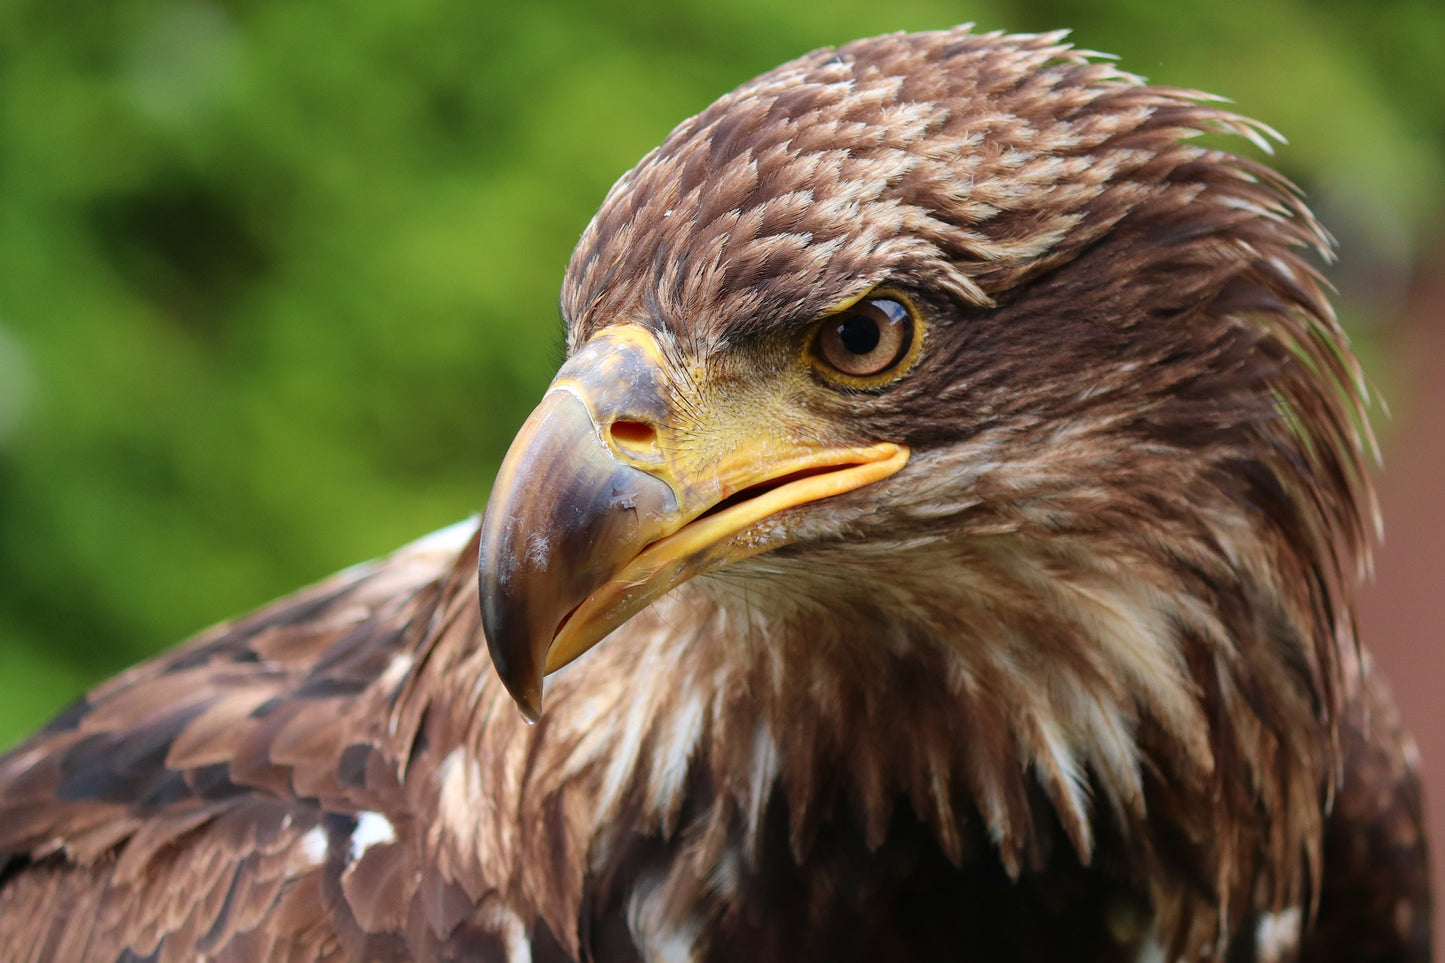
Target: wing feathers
point(242, 795)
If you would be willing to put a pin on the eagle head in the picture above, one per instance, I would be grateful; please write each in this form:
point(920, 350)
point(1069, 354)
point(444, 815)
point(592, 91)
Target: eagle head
point(974, 426)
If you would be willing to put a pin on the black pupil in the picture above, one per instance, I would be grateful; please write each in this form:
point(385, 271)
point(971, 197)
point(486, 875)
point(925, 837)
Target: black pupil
point(859, 334)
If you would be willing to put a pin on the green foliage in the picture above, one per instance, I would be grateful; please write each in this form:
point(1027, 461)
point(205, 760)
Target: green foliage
point(278, 279)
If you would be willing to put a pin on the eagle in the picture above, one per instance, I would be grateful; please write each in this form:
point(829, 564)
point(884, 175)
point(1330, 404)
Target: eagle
point(940, 542)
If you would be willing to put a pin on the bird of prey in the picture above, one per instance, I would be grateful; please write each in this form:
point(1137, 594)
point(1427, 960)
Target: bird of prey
point(940, 543)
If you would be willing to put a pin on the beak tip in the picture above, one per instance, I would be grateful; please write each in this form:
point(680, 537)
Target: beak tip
point(527, 694)
point(524, 685)
point(522, 682)
point(514, 656)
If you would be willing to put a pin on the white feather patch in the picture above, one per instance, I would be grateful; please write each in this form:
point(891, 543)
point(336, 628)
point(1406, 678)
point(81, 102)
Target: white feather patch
point(513, 932)
point(1276, 936)
point(313, 846)
point(372, 829)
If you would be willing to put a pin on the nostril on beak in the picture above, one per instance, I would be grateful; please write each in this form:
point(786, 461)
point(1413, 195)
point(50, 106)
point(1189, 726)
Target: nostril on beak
point(632, 434)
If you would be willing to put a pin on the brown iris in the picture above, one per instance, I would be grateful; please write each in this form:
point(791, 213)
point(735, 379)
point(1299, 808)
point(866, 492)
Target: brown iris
point(866, 340)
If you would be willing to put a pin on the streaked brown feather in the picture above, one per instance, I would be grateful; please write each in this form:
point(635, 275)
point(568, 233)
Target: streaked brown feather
point(1081, 682)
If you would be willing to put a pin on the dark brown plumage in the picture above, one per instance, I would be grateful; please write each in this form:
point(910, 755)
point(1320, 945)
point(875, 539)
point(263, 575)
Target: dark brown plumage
point(973, 466)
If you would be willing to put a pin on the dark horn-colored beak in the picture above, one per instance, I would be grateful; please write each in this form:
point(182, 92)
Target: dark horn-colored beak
point(561, 497)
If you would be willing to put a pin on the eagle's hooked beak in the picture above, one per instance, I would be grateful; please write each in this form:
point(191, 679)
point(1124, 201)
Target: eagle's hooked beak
point(605, 502)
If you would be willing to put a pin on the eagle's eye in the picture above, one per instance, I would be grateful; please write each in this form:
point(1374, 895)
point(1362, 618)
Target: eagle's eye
point(866, 340)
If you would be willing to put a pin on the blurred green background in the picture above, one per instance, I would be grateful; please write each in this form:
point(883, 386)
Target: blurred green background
point(278, 278)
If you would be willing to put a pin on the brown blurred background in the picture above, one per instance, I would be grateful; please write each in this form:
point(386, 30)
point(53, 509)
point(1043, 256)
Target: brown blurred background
point(1402, 614)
